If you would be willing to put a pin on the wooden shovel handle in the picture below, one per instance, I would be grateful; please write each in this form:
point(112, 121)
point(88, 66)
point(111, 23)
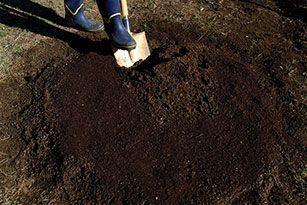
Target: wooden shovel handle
point(124, 14)
point(124, 7)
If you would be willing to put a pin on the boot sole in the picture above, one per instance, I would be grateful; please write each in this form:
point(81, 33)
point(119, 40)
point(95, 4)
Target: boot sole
point(128, 48)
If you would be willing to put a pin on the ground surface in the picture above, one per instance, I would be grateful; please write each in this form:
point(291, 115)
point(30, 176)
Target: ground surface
point(216, 114)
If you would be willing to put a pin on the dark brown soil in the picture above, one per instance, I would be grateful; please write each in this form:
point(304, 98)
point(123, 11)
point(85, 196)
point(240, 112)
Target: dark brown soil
point(190, 125)
point(203, 121)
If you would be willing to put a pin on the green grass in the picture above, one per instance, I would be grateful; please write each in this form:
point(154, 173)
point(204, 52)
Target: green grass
point(289, 66)
point(16, 48)
point(300, 181)
point(3, 31)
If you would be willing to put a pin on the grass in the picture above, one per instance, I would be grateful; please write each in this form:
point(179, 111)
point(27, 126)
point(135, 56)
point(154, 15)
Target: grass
point(289, 66)
point(15, 48)
point(205, 18)
point(295, 81)
point(299, 179)
point(3, 31)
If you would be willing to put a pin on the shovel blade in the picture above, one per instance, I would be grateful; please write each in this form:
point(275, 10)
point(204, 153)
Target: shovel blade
point(129, 58)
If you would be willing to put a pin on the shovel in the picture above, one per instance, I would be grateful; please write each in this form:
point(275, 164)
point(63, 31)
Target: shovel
point(141, 52)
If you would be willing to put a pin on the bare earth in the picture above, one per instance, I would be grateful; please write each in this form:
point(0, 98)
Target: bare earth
point(216, 115)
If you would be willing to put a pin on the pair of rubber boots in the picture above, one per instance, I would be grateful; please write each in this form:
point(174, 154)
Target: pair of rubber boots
point(111, 14)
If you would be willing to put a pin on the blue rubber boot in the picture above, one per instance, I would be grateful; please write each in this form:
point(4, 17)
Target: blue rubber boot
point(74, 16)
point(111, 14)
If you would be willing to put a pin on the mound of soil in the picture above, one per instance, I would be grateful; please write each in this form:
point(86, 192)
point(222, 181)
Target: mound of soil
point(191, 125)
point(201, 121)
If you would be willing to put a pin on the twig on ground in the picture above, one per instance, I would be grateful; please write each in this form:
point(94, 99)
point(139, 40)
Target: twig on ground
point(202, 36)
point(18, 36)
point(3, 154)
point(3, 162)
point(5, 139)
point(3, 172)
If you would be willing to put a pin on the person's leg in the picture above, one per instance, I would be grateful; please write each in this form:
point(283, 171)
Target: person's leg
point(111, 14)
point(74, 15)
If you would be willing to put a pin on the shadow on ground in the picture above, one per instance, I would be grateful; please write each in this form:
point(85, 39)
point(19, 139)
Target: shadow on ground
point(295, 9)
point(32, 16)
point(97, 134)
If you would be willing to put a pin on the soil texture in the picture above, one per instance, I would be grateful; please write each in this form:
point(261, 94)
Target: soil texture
point(206, 119)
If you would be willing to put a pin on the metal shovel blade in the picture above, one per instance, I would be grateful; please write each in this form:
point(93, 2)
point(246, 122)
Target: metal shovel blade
point(129, 58)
